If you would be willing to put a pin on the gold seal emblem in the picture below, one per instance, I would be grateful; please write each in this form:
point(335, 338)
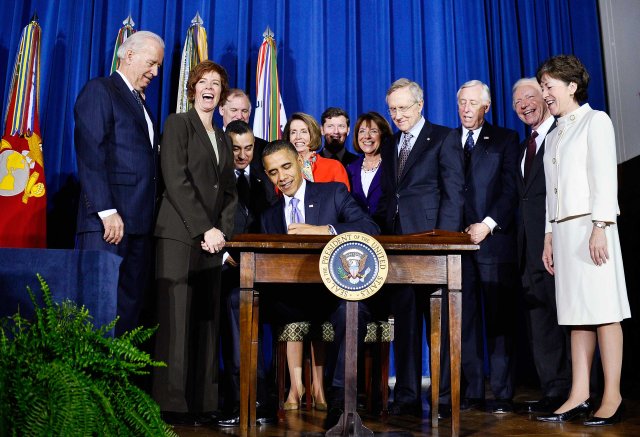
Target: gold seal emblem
point(353, 266)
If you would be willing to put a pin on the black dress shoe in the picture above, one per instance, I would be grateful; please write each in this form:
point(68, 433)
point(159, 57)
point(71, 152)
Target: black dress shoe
point(502, 406)
point(581, 410)
point(469, 403)
point(604, 421)
point(546, 405)
point(181, 419)
point(263, 417)
point(405, 408)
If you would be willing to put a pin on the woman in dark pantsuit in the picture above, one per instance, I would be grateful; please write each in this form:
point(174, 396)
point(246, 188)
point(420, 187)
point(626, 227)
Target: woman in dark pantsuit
point(196, 214)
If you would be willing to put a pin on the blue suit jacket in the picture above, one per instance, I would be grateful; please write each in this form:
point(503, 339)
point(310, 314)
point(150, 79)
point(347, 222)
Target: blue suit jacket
point(370, 200)
point(117, 164)
point(490, 190)
point(428, 194)
point(326, 203)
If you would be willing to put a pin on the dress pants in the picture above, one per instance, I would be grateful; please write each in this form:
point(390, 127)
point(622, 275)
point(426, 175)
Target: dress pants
point(549, 341)
point(409, 304)
point(230, 338)
point(136, 252)
point(188, 286)
point(488, 301)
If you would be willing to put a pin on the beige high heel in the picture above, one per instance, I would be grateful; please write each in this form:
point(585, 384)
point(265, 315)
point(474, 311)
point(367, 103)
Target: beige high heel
point(289, 406)
point(319, 406)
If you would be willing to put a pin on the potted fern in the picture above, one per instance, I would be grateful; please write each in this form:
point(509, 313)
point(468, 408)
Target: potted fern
point(60, 375)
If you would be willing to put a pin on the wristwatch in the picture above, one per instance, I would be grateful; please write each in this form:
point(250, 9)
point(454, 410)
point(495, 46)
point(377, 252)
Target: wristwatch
point(600, 225)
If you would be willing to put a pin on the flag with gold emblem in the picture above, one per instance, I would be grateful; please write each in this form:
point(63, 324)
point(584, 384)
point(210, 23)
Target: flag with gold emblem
point(269, 119)
point(23, 200)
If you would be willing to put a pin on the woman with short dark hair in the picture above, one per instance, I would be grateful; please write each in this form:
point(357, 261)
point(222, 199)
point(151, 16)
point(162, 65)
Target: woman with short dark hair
point(582, 247)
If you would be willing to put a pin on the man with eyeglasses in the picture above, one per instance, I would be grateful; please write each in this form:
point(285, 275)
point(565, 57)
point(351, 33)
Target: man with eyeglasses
point(235, 105)
point(489, 276)
point(421, 190)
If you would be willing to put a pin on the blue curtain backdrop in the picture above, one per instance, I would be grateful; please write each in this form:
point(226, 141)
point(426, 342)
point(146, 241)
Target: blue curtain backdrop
point(330, 53)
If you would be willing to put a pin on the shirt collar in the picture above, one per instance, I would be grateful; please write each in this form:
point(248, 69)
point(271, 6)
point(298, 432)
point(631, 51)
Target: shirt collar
point(298, 195)
point(543, 129)
point(126, 81)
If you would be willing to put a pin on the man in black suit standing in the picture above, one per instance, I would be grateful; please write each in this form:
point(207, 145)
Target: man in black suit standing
point(422, 182)
point(116, 143)
point(255, 194)
point(335, 129)
point(489, 278)
point(549, 341)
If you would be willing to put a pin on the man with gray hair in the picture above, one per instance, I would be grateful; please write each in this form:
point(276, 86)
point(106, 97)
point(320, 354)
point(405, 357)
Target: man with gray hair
point(549, 341)
point(422, 181)
point(116, 142)
point(489, 278)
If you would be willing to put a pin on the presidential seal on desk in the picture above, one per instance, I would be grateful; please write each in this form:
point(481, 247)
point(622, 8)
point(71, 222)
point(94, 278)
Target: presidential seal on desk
point(353, 266)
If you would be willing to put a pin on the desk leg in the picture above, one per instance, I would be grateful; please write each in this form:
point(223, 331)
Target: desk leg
point(455, 335)
point(435, 308)
point(246, 324)
point(248, 319)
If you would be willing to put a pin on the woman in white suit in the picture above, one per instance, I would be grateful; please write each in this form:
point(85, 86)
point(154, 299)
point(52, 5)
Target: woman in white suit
point(582, 247)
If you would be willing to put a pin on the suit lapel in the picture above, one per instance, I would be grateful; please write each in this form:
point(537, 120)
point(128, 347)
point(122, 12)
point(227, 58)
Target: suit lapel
point(311, 205)
point(538, 160)
point(205, 142)
point(483, 142)
point(130, 102)
point(422, 143)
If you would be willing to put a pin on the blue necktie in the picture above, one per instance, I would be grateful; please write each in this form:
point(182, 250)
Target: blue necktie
point(468, 148)
point(136, 96)
point(296, 217)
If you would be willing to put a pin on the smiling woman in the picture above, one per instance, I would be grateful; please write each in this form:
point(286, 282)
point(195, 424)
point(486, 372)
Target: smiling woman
point(196, 213)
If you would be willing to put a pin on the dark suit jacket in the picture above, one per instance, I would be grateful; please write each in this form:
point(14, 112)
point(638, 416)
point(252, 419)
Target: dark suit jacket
point(370, 200)
point(429, 192)
point(347, 157)
point(490, 190)
point(532, 206)
point(258, 146)
point(117, 164)
point(263, 195)
point(326, 203)
point(199, 193)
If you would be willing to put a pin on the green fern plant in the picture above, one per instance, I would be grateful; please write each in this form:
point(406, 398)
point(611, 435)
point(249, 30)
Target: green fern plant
point(62, 376)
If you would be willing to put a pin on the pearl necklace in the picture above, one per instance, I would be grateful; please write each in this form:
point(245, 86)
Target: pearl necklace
point(374, 168)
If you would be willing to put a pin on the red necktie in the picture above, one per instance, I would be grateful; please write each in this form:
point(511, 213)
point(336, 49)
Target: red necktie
point(531, 153)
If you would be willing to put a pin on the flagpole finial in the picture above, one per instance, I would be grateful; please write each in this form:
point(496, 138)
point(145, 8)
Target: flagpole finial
point(197, 20)
point(129, 21)
point(35, 16)
point(268, 33)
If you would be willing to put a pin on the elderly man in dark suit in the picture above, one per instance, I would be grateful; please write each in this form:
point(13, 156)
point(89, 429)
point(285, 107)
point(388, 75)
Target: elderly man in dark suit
point(308, 208)
point(489, 279)
point(549, 341)
point(255, 194)
point(422, 182)
point(116, 143)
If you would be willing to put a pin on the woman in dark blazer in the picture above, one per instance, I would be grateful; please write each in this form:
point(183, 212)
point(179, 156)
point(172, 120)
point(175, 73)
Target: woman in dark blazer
point(364, 173)
point(196, 214)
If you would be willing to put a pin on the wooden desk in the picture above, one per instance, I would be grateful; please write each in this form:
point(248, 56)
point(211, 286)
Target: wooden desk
point(428, 258)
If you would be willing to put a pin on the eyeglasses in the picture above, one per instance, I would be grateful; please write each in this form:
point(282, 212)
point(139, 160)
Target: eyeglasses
point(401, 109)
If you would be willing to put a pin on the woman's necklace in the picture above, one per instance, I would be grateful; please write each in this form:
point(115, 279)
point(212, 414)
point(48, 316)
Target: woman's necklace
point(372, 169)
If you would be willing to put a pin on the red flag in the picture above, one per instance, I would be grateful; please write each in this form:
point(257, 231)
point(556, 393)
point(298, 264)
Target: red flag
point(23, 203)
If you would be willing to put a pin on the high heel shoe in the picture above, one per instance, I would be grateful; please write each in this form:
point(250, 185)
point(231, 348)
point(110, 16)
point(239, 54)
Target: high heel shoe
point(289, 406)
point(604, 421)
point(319, 406)
point(582, 409)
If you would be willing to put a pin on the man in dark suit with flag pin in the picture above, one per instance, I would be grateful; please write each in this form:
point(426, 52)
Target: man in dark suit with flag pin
point(116, 143)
